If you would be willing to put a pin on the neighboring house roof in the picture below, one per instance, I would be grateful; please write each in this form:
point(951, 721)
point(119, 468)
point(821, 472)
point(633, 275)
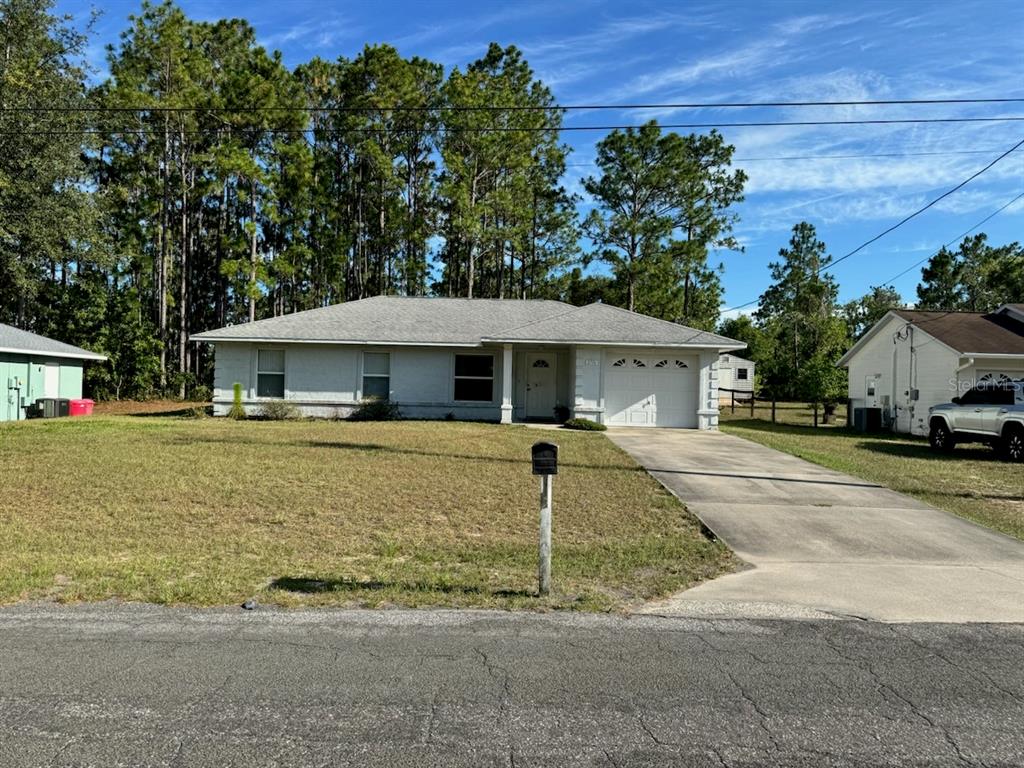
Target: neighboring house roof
point(994, 334)
point(467, 322)
point(19, 342)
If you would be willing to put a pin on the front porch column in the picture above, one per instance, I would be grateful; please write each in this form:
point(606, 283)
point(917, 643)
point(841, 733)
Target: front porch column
point(506, 384)
point(707, 408)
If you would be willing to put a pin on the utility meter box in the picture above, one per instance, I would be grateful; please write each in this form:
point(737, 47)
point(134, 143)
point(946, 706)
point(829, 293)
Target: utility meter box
point(545, 458)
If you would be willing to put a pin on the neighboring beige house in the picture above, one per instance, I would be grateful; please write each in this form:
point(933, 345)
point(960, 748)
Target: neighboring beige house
point(735, 373)
point(487, 359)
point(911, 360)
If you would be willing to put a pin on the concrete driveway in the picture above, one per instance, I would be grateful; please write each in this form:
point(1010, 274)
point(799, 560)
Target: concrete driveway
point(823, 543)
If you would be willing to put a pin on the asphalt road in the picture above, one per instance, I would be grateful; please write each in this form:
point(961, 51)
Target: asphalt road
point(137, 686)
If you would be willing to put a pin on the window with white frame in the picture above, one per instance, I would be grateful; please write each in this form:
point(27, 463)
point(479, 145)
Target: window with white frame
point(741, 374)
point(376, 375)
point(270, 373)
point(474, 378)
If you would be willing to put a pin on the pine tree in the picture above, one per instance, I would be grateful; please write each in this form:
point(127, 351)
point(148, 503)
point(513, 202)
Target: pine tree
point(798, 311)
point(48, 223)
point(663, 202)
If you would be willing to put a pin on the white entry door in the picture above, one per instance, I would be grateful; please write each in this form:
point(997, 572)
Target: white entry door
point(644, 390)
point(51, 380)
point(540, 385)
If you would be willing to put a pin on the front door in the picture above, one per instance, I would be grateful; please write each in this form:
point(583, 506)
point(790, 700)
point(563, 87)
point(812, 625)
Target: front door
point(540, 385)
point(51, 380)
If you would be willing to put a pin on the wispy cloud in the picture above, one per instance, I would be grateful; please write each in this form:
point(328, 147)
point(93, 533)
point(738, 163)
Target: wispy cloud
point(313, 34)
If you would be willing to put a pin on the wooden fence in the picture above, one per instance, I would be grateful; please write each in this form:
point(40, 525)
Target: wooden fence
point(775, 411)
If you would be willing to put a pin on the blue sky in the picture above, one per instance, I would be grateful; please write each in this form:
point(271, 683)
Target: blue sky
point(647, 52)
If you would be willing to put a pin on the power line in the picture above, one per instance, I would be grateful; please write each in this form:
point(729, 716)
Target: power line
point(904, 220)
point(928, 205)
point(956, 239)
point(837, 157)
point(528, 108)
point(510, 129)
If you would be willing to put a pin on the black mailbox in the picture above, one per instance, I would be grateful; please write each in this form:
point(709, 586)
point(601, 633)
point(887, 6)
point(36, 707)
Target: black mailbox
point(545, 458)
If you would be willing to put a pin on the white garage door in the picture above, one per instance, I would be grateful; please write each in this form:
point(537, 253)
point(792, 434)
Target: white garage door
point(643, 390)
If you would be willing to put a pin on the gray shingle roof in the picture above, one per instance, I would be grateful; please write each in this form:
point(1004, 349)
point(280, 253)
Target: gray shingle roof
point(394, 320)
point(605, 324)
point(26, 343)
point(468, 322)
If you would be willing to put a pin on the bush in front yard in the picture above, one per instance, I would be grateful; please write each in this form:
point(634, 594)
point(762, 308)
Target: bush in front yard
point(585, 424)
point(237, 409)
point(278, 410)
point(375, 410)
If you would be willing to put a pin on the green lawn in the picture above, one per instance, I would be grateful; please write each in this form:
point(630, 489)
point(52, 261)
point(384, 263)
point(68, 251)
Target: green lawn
point(211, 511)
point(971, 482)
point(797, 414)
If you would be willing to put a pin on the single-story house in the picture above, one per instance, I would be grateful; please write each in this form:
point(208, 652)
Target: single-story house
point(735, 376)
point(485, 359)
point(33, 366)
point(911, 360)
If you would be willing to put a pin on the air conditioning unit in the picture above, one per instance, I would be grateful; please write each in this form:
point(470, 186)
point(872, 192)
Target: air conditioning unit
point(48, 407)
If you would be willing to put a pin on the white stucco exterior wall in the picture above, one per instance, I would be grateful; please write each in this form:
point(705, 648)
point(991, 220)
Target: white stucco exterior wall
point(325, 380)
point(930, 367)
point(707, 414)
point(587, 400)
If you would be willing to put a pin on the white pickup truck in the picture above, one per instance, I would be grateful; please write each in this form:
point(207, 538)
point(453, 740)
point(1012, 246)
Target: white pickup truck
point(991, 413)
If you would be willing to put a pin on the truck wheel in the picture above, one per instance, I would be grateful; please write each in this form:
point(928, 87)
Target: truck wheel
point(940, 438)
point(1013, 443)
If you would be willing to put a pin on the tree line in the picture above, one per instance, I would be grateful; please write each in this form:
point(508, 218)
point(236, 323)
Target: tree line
point(203, 183)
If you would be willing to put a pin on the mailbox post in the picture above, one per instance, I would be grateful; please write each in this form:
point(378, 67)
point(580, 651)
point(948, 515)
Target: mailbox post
point(545, 464)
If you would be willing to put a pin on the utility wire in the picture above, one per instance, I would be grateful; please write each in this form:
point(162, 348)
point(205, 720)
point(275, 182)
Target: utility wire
point(527, 108)
point(928, 205)
point(946, 153)
point(956, 239)
point(507, 129)
point(903, 221)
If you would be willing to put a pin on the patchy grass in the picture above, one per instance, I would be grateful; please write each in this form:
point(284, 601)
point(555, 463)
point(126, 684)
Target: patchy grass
point(971, 482)
point(211, 511)
point(797, 414)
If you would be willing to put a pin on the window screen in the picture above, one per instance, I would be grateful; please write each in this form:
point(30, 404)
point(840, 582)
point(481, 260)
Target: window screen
point(270, 373)
point(376, 375)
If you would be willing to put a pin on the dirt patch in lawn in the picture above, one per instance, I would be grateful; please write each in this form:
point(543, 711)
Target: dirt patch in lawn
point(147, 408)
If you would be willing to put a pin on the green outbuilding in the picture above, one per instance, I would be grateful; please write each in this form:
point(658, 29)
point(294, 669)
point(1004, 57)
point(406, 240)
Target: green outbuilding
point(33, 367)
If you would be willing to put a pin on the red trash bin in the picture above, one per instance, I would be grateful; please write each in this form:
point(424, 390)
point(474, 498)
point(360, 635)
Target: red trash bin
point(81, 408)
